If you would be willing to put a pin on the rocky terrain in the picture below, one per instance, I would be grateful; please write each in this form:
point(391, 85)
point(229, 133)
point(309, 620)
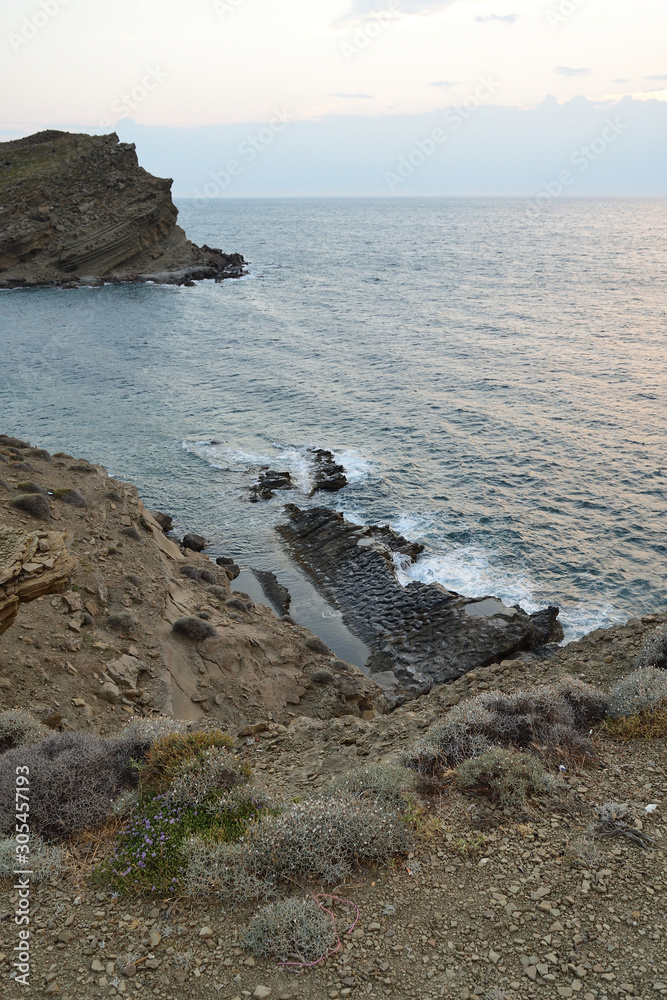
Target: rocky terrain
point(421, 634)
point(78, 209)
point(497, 902)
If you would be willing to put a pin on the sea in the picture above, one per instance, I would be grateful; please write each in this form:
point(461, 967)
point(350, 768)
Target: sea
point(493, 380)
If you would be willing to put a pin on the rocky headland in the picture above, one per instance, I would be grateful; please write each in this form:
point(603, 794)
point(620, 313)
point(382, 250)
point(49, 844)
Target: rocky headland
point(78, 209)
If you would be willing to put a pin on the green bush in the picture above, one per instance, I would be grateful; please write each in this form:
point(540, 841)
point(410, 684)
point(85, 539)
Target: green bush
point(391, 784)
point(505, 776)
point(168, 756)
point(292, 929)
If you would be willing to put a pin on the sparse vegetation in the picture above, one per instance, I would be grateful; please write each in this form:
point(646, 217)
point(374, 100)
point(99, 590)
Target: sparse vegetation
point(292, 929)
point(382, 783)
point(73, 497)
point(648, 725)
point(643, 690)
point(505, 776)
point(45, 861)
point(168, 756)
point(20, 728)
point(540, 720)
point(34, 504)
point(193, 628)
point(654, 650)
point(121, 622)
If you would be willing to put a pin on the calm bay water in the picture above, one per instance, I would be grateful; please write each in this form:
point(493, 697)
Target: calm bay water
point(495, 387)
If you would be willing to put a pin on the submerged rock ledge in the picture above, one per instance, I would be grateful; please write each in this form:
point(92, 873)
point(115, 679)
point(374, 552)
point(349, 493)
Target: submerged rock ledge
point(422, 634)
point(79, 210)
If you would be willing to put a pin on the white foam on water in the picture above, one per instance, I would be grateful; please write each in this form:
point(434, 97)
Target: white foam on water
point(468, 570)
point(580, 619)
point(356, 466)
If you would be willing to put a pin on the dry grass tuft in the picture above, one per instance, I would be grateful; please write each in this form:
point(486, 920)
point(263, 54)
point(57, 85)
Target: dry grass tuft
point(650, 725)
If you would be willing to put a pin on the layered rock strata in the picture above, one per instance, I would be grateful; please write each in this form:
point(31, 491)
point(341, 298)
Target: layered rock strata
point(421, 634)
point(31, 566)
point(78, 209)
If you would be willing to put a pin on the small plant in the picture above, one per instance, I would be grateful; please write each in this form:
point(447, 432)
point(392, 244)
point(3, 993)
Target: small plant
point(654, 650)
point(18, 728)
point(34, 504)
point(648, 725)
point(45, 861)
point(121, 623)
point(167, 757)
point(72, 497)
point(642, 690)
point(388, 783)
point(31, 488)
point(193, 628)
point(291, 930)
point(612, 822)
point(149, 854)
point(505, 776)
point(208, 777)
point(472, 847)
point(191, 572)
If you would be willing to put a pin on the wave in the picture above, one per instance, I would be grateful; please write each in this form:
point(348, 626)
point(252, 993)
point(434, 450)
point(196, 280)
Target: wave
point(295, 459)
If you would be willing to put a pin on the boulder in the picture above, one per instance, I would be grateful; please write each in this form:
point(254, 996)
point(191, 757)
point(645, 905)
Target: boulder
point(195, 542)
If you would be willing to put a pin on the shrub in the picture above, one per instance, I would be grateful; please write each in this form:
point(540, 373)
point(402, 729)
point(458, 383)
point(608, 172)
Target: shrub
point(73, 497)
point(612, 822)
point(45, 861)
point(132, 533)
point(169, 755)
point(650, 724)
point(18, 728)
point(191, 572)
point(291, 929)
point(31, 488)
point(642, 690)
point(34, 504)
point(322, 677)
point(149, 853)
point(207, 776)
point(206, 576)
point(505, 776)
point(542, 719)
point(193, 628)
point(74, 779)
point(654, 650)
point(218, 592)
point(121, 623)
point(382, 783)
point(325, 839)
point(220, 869)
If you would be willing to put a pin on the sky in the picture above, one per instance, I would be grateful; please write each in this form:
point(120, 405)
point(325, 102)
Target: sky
point(95, 65)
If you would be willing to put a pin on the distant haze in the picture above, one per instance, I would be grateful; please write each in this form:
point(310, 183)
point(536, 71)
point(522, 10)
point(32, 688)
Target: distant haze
point(362, 83)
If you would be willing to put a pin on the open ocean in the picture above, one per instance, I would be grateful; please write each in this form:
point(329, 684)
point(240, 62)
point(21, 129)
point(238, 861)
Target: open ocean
point(495, 386)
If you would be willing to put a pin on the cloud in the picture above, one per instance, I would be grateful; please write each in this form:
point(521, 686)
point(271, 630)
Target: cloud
point(358, 97)
point(507, 18)
point(663, 77)
point(620, 79)
point(572, 71)
point(363, 10)
point(446, 84)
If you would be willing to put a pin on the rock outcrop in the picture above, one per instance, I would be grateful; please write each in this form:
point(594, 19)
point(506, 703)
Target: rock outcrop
point(78, 209)
point(31, 566)
point(423, 634)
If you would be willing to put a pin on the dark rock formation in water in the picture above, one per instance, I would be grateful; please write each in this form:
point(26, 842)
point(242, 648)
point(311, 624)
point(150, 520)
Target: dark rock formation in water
point(328, 475)
point(78, 209)
point(422, 633)
point(268, 481)
point(279, 596)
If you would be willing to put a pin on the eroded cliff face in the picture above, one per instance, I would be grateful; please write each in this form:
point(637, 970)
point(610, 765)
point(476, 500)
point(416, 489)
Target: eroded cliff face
point(78, 209)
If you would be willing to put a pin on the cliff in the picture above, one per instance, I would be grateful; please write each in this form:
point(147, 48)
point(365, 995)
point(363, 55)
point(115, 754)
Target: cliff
point(78, 209)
